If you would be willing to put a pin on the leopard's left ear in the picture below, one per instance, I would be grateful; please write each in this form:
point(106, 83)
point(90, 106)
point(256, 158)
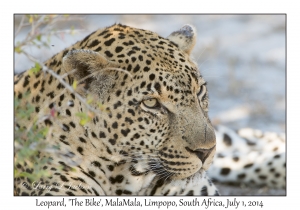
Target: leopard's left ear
point(92, 69)
point(185, 38)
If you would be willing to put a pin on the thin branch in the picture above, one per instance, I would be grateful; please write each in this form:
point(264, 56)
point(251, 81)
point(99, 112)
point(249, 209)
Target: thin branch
point(69, 88)
point(118, 69)
point(21, 25)
point(67, 31)
point(66, 85)
point(47, 30)
point(68, 73)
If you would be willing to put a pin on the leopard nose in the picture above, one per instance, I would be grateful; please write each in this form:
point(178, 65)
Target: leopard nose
point(202, 154)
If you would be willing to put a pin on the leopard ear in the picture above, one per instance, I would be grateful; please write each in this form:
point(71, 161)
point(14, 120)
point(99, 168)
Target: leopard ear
point(185, 38)
point(85, 62)
point(89, 69)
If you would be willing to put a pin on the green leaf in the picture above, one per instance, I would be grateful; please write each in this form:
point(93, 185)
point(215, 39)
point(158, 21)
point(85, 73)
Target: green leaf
point(72, 30)
point(74, 85)
point(90, 99)
point(81, 114)
point(39, 37)
point(30, 19)
point(45, 131)
point(35, 69)
point(18, 49)
point(84, 118)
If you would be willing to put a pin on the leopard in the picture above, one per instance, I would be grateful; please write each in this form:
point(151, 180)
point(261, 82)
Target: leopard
point(148, 131)
point(249, 157)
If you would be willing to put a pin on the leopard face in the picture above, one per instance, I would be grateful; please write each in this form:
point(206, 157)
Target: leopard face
point(154, 119)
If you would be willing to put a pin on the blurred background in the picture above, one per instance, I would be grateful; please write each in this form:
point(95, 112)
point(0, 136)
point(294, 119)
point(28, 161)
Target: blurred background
point(242, 57)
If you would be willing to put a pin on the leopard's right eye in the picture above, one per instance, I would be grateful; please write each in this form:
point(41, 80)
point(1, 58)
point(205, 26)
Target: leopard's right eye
point(151, 103)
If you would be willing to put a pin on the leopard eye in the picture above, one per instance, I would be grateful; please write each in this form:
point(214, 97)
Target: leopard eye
point(201, 92)
point(151, 103)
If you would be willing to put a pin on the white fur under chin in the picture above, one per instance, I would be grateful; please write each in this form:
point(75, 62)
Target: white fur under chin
point(139, 182)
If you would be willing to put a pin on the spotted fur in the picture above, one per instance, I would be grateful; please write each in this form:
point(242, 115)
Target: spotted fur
point(149, 132)
point(249, 156)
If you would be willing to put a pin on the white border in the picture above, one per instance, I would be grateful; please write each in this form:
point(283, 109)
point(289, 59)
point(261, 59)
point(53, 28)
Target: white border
point(153, 6)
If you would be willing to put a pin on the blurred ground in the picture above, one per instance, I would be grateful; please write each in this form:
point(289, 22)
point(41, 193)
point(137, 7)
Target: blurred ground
point(241, 56)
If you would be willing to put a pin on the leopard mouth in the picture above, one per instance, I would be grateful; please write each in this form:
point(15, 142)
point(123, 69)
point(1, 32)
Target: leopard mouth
point(168, 170)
